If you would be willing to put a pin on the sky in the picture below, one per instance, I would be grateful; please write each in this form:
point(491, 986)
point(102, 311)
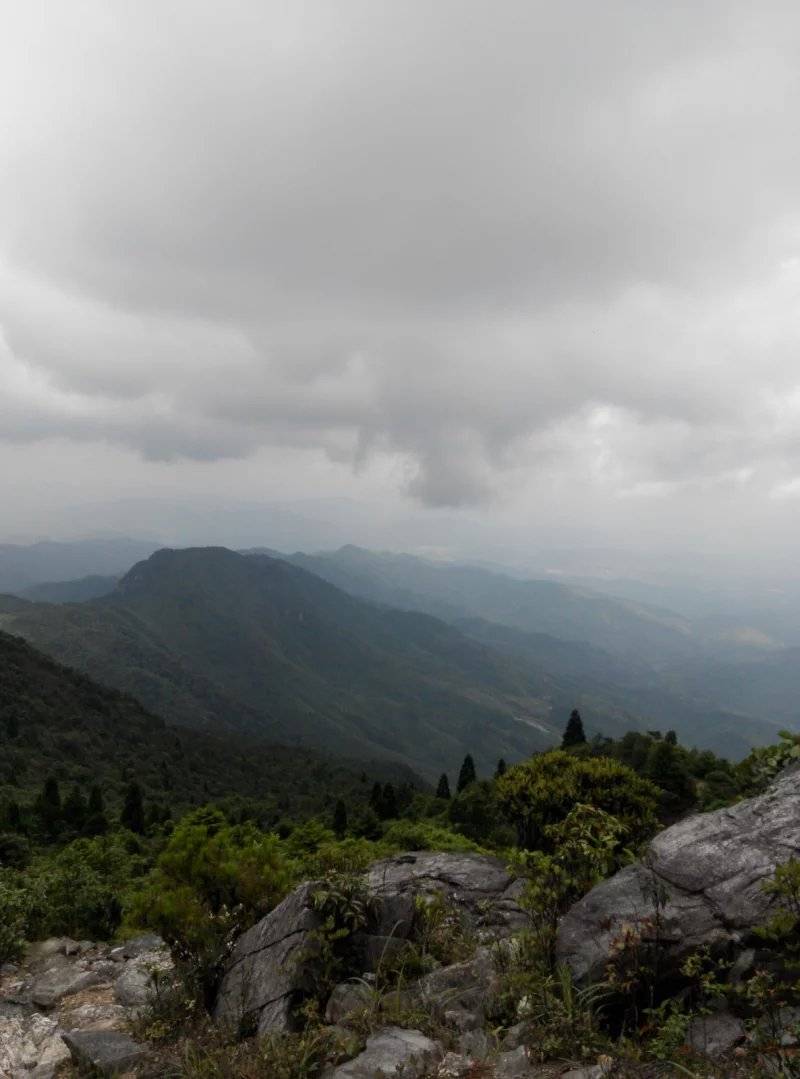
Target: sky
point(519, 270)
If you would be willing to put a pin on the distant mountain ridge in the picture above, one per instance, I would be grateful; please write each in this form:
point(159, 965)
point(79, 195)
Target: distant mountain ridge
point(211, 638)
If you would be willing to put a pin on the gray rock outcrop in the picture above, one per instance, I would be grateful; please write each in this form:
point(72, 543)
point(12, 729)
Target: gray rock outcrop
point(708, 873)
point(273, 964)
point(391, 1053)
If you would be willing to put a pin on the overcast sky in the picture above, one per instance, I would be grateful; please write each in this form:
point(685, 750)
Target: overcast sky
point(530, 263)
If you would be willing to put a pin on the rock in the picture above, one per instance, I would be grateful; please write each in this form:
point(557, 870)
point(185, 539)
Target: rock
point(480, 887)
point(391, 1053)
point(346, 998)
point(513, 1065)
point(715, 1034)
point(135, 986)
point(52, 986)
point(466, 985)
point(271, 967)
point(474, 1043)
point(454, 1066)
point(109, 1052)
point(31, 1045)
point(515, 1036)
point(139, 946)
point(95, 1017)
point(709, 869)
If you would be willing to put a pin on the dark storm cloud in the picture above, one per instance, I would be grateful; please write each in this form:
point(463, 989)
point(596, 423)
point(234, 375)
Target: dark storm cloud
point(479, 239)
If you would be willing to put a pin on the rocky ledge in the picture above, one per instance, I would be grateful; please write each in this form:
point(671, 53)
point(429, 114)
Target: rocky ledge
point(75, 1000)
point(701, 883)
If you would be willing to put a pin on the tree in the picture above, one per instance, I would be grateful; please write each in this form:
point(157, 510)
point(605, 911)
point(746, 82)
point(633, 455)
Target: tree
point(96, 820)
point(48, 806)
point(443, 789)
point(573, 733)
point(340, 819)
point(467, 774)
point(389, 802)
point(666, 767)
point(542, 791)
point(75, 808)
point(132, 815)
point(501, 768)
point(376, 800)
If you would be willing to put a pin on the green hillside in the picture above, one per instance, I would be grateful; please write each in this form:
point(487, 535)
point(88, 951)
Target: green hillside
point(57, 722)
point(213, 639)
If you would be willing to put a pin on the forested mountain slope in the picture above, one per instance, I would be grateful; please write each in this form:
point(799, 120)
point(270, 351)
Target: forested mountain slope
point(57, 722)
point(210, 638)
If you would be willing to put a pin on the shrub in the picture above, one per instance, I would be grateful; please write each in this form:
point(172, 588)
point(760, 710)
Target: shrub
point(211, 881)
point(542, 791)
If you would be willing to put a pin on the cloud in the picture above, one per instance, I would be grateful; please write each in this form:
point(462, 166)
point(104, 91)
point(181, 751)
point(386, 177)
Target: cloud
point(473, 245)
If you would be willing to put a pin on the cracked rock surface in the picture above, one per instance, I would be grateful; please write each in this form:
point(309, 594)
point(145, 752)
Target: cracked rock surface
point(272, 965)
point(710, 870)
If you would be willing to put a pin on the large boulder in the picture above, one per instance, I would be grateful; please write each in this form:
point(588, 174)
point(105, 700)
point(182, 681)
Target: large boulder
point(273, 965)
point(701, 883)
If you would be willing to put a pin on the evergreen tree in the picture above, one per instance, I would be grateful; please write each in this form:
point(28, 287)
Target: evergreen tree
point(96, 803)
point(573, 733)
point(389, 802)
point(48, 806)
point(443, 790)
point(132, 815)
point(75, 808)
point(340, 819)
point(96, 819)
point(467, 774)
point(376, 800)
point(671, 738)
point(501, 768)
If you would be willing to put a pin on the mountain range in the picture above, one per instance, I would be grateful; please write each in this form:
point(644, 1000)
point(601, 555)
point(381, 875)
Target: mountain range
point(389, 656)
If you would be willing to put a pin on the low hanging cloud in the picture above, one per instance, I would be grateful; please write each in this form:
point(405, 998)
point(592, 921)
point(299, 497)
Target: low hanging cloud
point(480, 242)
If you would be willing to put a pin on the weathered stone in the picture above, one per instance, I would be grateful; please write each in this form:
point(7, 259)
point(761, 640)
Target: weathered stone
point(109, 1052)
point(709, 870)
point(513, 1065)
point(465, 985)
point(454, 1066)
point(515, 1036)
point(346, 998)
point(391, 1053)
point(715, 1034)
point(52, 986)
point(29, 1042)
point(95, 1017)
point(138, 946)
point(271, 967)
point(474, 1043)
point(479, 887)
point(135, 987)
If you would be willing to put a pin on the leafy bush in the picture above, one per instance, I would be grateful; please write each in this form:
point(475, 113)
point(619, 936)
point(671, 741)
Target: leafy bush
point(542, 791)
point(14, 910)
point(211, 881)
point(425, 835)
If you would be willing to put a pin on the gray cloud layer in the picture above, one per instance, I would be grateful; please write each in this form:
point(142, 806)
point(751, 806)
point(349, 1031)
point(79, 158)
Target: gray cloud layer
point(480, 242)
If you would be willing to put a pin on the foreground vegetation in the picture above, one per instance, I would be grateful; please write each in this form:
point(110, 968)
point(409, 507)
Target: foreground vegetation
point(76, 865)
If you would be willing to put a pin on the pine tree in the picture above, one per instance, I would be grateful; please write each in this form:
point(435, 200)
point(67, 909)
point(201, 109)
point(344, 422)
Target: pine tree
point(389, 802)
point(75, 808)
point(467, 774)
point(376, 800)
point(48, 806)
point(443, 790)
point(501, 768)
point(11, 815)
point(573, 734)
point(132, 815)
point(96, 819)
point(340, 819)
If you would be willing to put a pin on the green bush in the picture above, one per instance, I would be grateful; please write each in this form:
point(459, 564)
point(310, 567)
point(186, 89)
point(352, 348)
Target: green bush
point(542, 791)
point(211, 881)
